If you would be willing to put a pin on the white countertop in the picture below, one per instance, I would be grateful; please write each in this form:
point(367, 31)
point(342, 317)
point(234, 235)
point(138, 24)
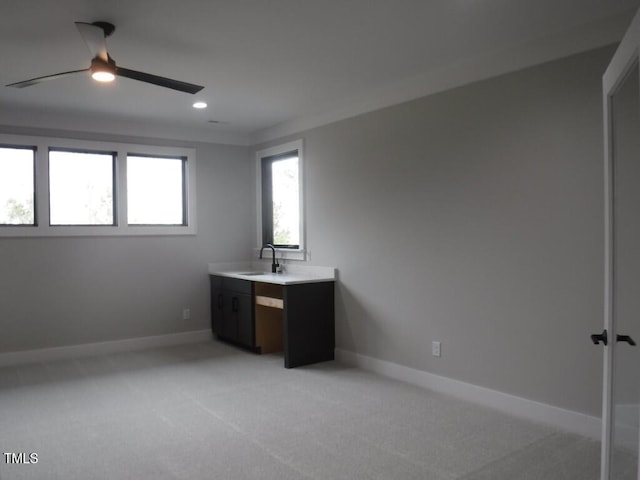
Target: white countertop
point(260, 272)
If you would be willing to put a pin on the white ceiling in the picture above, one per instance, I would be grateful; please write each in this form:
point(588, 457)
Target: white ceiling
point(269, 64)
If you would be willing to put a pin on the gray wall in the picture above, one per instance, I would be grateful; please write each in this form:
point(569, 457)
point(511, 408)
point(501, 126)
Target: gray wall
point(473, 217)
point(66, 291)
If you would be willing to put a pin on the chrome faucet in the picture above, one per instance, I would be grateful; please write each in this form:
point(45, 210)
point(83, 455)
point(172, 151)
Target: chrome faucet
point(274, 265)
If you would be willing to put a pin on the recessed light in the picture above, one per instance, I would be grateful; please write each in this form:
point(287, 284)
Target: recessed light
point(200, 105)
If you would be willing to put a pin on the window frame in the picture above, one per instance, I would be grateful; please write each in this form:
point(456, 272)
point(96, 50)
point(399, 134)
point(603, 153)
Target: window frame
point(114, 176)
point(185, 188)
point(121, 227)
point(34, 150)
point(268, 156)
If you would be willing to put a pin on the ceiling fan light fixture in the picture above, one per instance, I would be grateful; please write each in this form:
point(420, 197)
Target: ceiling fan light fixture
point(102, 71)
point(103, 76)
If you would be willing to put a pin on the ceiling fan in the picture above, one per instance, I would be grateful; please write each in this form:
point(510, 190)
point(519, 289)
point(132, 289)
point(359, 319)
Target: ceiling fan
point(103, 68)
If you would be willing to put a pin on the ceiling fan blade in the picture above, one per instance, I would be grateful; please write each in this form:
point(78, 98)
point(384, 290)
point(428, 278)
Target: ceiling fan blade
point(161, 81)
point(94, 37)
point(34, 81)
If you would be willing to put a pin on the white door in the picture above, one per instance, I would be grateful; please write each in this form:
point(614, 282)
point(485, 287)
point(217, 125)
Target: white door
point(621, 389)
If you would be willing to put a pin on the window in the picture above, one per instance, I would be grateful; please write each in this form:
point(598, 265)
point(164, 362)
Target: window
point(17, 186)
point(156, 190)
point(81, 186)
point(64, 187)
point(280, 200)
point(280, 196)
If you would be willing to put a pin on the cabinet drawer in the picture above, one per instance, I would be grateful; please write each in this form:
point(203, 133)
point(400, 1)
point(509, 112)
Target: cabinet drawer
point(237, 285)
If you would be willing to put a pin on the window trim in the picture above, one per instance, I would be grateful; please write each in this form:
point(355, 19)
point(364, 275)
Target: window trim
point(185, 189)
point(121, 228)
point(34, 150)
point(274, 153)
point(114, 176)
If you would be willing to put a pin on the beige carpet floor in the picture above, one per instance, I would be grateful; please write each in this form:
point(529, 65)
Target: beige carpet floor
point(210, 411)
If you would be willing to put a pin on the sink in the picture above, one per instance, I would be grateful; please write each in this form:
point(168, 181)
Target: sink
point(251, 274)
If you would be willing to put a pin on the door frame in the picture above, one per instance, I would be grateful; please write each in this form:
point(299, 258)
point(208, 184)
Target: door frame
point(623, 61)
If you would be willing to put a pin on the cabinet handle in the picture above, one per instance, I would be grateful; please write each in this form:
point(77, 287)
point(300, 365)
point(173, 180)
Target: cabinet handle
point(220, 301)
point(599, 337)
point(234, 304)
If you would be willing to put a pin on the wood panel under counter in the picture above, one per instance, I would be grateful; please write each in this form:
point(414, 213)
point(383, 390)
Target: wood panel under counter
point(269, 317)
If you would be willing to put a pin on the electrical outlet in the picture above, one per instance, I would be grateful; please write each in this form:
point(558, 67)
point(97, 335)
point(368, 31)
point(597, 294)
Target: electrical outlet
point(435, 349)
point(186, 314)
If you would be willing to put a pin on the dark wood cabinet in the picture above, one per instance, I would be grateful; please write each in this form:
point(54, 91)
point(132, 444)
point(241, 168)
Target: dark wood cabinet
point(242, 315)
point(232, 312)
point(309, 325)
point(264, 317)
point(217, 304)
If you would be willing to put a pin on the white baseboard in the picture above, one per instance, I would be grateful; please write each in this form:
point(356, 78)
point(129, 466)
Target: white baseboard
point(568, 420)
point(101, 348)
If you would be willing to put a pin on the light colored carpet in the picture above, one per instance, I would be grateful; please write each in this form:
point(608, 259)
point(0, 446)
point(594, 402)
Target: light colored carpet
point(209, 411)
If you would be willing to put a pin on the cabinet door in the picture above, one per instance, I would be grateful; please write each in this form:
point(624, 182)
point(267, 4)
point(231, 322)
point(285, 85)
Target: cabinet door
point(229, 328)
point(244, 318)
point(232, 310)
point(217, 303)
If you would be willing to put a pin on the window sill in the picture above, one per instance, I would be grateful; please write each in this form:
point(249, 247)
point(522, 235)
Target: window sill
point(282, 253)
point(93, 231)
